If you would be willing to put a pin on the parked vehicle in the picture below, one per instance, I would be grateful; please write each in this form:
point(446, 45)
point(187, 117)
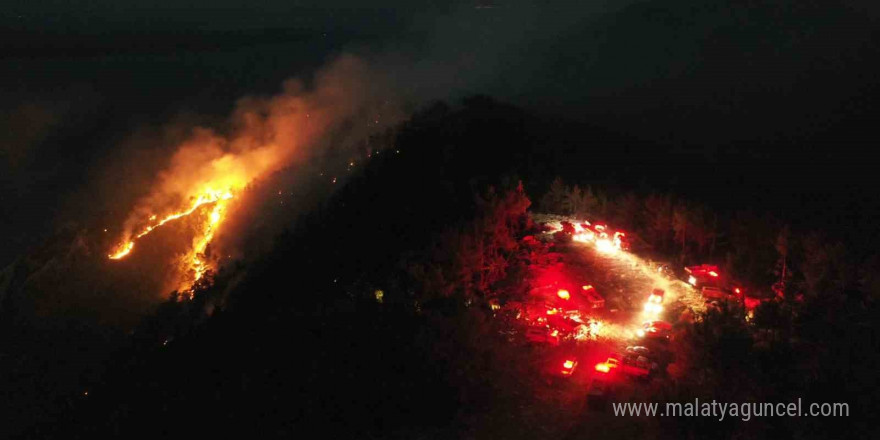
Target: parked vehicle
point(561, 366)
point(637, 365)
point(711, 293)
point(594, 300)
point(658, 330)
point(703, 274)
point(639, 350)
point(542, 335)
point(609, 366)
point(655, 301)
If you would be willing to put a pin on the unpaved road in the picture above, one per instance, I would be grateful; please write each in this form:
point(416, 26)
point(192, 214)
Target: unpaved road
point(625, 281)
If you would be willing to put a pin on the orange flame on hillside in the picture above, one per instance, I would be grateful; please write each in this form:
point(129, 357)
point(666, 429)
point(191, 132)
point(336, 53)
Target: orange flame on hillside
point(210, 196)
point(195, 259)
point(263, 135)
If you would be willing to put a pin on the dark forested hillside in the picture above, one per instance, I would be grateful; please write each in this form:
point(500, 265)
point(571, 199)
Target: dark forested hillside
point(298, 338)
point(369, 316)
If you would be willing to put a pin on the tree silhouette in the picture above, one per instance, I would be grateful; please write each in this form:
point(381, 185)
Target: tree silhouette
point(681, 223)
point(554, 200)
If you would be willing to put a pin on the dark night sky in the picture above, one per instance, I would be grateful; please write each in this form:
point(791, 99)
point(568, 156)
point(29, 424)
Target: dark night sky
point(792, 82)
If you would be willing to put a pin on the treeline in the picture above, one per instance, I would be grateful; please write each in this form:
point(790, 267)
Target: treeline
point(823, 349)
point(470, 261)
point(758, 249)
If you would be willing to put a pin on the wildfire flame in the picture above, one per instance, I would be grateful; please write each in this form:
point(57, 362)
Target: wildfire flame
point(124, 250)
point(194, 259)
point(198, 265)
point(264, 135)
point(209, 196)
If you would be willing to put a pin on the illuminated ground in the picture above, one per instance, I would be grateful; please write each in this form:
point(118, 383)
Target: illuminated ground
point(625, 281)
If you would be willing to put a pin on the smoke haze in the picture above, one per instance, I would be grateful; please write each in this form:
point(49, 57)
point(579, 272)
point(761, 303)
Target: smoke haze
point(139, 123)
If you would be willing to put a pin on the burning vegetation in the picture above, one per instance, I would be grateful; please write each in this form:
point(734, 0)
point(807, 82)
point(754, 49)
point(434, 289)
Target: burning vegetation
point(264, 136)
point(196, 259)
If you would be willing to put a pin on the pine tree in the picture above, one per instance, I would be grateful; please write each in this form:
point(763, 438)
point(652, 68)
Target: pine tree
point(681, 223)
point(781, 270)
point(553, 201)
point(574, 201)
point(659, 211)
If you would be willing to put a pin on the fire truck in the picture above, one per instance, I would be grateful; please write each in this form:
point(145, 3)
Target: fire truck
point(712, 284)
point(703, 275)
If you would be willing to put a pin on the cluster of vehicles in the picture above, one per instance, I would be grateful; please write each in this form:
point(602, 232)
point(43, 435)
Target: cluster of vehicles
point(557, 318)
point(648, 349)
point(603, 237)
point(562, 317)
point(639, 361)
point(555, 321)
